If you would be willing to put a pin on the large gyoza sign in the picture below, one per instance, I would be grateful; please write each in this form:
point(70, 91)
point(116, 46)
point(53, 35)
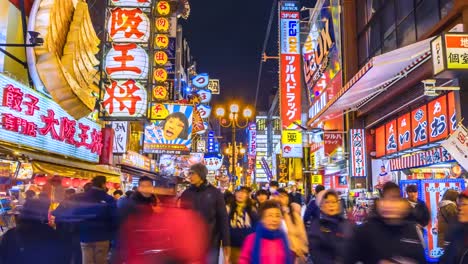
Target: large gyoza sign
point(30, 119)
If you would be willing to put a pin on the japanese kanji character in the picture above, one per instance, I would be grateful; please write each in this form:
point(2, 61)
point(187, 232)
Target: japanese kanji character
point(464, 58)
point(123, 59)
point(438, 126)
point(163, 7)
point(464, 42)
point(420, 133)
point(49, 126)
point(10, 122)
point(30, 129)
point(357, 136)
point(454, 58)
point(123, 95)
point(404, 138)
point(68, 130)
point(83, 135)
point(12, 97)
point(392, 145)
point(436, 157)
point(445, 155)
point(162, 23)
point(126, 20)
point(96, 142)
point(31, 105)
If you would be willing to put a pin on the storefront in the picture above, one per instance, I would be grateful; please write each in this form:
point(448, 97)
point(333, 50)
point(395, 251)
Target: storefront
point(134, 166)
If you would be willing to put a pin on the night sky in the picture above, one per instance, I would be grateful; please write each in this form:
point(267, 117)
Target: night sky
point(226, 39)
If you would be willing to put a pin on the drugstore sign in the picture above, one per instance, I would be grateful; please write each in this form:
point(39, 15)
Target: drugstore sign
point(30, 119)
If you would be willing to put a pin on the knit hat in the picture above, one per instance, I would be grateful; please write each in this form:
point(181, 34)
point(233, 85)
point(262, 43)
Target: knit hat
point(319, 199)
point(200, 169)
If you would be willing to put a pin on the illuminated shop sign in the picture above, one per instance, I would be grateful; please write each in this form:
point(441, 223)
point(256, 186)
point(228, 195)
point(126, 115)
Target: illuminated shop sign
point(358, 153)
point(30, 119)
point(290, 65)
point(426, 124)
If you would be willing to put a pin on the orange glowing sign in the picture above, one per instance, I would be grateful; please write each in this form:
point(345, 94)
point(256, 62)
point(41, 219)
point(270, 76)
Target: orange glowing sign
point(160, 92)
point(162, 24)
point(162, 41)
point(160, 75)
point(161, 58)
point(163, 8)
point(404, 131)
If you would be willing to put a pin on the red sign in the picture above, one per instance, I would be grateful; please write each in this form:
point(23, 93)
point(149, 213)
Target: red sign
point(438, 122)
point(332, 141)
point(404, 132)
point(419, 126)
point(452, 111)
point(290, 90)
point(380, 141)
point(391, 137)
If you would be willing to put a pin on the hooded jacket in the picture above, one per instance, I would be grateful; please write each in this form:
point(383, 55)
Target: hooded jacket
point(376, 240)
point(327, 239)
point(209, 203)
point(446, 216)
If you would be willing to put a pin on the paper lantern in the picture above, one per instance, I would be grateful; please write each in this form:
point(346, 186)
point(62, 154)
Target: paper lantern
point(162, 24)
point(76, 183)
point(135, 3)
point(161, 41)
point(125, 99)
point(163, 8)
point(40, 180)
point(201, 81)
point(204, 110)
point(110, 185)
point(66, 182)
point(117, 186)
point(160, 58)
point(160, 92)
point(127, 61)
point(128, 25)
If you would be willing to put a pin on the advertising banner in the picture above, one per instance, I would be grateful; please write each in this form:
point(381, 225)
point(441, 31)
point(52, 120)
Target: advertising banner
point(178, 165)
point(358, 152)
point(332, 141)
point(421, 159)
point(457, 146)
point(30, 119)
point(136, 160)
point(173, 133)
point(291, 141)
point(290, 64)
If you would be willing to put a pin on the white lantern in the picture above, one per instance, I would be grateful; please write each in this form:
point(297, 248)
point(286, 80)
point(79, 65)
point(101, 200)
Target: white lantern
point(128, 25)
point(205, 96)
point(127, 61)
point(125, 99)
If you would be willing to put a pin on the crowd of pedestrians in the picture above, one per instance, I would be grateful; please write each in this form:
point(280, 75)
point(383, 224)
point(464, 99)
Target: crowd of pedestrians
point(205, 225)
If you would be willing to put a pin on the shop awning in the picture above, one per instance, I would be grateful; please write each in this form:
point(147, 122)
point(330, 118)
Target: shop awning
point(44, 163)
point(138, 172)
point(379, 74)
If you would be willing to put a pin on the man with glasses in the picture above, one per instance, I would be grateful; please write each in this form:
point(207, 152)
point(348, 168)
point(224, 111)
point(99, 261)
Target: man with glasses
point(205, 199)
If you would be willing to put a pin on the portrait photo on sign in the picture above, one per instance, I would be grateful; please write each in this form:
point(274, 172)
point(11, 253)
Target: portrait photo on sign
point(173, 132)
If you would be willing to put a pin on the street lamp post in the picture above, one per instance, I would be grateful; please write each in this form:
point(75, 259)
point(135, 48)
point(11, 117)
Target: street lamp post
point(234, 123)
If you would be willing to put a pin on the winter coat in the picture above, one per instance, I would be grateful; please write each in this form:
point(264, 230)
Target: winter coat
point(209, 203)
point(272, 251)
point(312, 212)
point(296, 232)
point(296, 198)
point(419, 213)
point(446, 216)
point(376, 240)
point(97, 213)
point(456, 251)
point(327, 239)
point(31, 242)
point(241, 227)
point(137, 204)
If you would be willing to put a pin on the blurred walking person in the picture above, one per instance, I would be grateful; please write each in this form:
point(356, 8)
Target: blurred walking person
point(242, 221)
point(456, 250)
point(97, 214)
point(329, 233)
point(312, 211)
point(208, 201)
point(261, 196)
point(295, 196)
point(269, 244)
point(446, 216)
point(388, 237)
point(294, 227)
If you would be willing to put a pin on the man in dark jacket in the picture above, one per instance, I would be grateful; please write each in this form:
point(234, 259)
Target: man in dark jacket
point(419, 211)
point(208, 201)
point(97, 214)
point(388, 237)
point(143, 201)
point(313, 211)
point(295, 196)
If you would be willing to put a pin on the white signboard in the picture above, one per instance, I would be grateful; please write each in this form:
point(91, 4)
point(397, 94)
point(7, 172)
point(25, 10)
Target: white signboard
point(120, 137)
point(457, 146)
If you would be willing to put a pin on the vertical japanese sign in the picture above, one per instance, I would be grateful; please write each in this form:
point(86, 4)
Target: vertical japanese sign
point(449, 53)
point(211, 141)
point(290, 64)
point(120, 137)
point(391, 137)
point(419, 126)
point(252, 139)
point(404, 131)
point(438, 120)
point(127, 63)
point(358, 153)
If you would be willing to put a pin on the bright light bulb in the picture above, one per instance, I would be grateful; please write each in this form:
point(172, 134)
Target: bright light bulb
point(220, 112)
point(247, 113)
point(234, 108)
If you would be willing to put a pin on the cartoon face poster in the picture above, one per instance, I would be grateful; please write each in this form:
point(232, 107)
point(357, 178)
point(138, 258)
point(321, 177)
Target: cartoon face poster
point(172, 134)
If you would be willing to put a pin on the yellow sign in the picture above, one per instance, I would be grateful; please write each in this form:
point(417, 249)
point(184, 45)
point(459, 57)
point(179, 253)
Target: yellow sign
point(291, 137)
point(457, 51)
point(162, 41)
point(160, 92)
point(160, 75)
point(162, 24)
point(159, 112)
point(160, 58)
point(163, 8)
point(317, 179)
